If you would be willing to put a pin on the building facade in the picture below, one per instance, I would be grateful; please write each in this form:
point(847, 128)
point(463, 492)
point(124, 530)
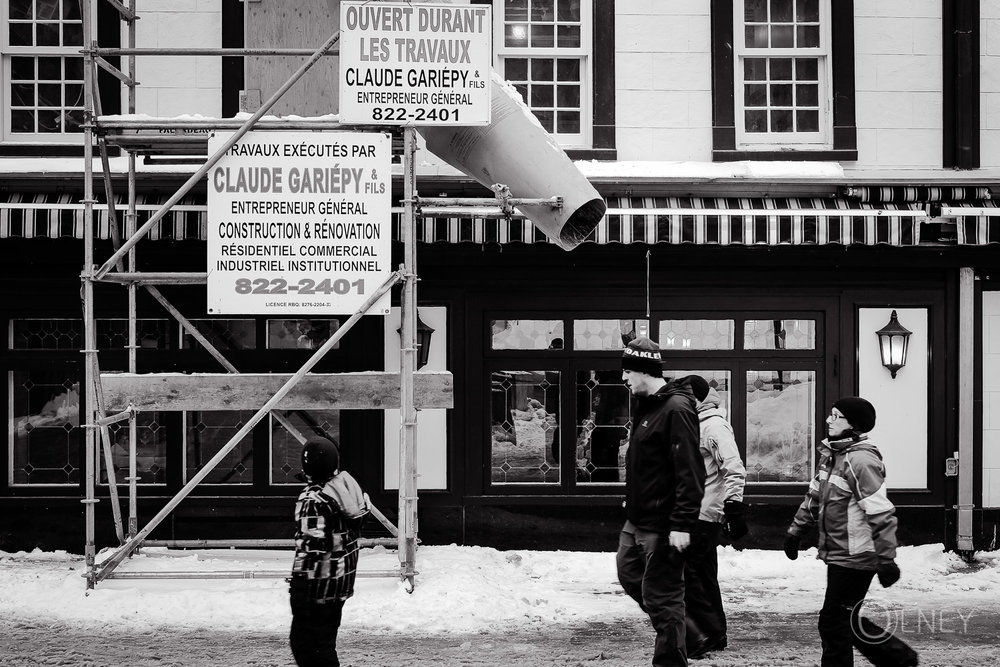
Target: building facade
point(782, 176)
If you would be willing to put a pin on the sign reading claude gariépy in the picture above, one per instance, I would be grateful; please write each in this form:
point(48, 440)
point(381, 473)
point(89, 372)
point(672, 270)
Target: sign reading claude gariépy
point(299, 223)
point(420, 64)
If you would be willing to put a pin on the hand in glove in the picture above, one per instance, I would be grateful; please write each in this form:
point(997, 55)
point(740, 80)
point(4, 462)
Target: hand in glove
point(792, 546)
point(736, 524)
point(888, 573)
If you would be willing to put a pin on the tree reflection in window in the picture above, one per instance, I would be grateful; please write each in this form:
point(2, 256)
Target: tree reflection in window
point(45, 416)
point(524, 427)
point(781, 414)
point(527, 335)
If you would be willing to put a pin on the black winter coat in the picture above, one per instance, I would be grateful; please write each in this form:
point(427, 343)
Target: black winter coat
point(664, 471)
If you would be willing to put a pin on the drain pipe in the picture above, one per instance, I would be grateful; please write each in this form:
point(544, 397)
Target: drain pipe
point(966, 402)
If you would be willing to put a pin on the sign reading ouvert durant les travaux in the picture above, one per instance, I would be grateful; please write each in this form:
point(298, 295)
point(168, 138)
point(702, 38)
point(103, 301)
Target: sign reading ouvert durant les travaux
point(299, 223)
point(420, 64)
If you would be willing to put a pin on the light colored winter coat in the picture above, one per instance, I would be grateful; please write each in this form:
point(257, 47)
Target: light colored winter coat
point(847, 501)
point(725, 475)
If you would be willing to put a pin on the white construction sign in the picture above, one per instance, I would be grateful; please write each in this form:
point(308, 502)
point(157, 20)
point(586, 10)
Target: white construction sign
point(419, 64)
point(299, 223)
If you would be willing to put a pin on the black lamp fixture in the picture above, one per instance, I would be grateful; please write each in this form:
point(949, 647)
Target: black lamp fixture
point(893, 341)
point(424, 333)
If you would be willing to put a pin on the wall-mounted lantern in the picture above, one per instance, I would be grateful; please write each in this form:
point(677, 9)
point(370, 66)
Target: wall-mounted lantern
point(893, 341)
point(424, 334)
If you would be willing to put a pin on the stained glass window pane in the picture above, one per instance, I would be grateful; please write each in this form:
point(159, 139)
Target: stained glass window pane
point(44, 423)
point(607, 334)
point(696, 334)
point(300, 334)
point(527, 334)
point(206, 433)
point(524, 427)
point(46, 334)
point(602, 412)
point(779, 335)
point(286, 449)
point(781, 417)
point(717, 380)
point(150, 450)
point(222, 334)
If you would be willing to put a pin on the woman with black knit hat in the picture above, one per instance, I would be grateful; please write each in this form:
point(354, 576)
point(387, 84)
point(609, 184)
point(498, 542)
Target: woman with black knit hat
point(847, 502)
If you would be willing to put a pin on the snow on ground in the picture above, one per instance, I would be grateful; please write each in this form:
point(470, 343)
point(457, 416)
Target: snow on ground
point(458, 589)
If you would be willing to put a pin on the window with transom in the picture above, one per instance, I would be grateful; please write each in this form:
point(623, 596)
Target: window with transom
point(43, 96)
point(544, 49)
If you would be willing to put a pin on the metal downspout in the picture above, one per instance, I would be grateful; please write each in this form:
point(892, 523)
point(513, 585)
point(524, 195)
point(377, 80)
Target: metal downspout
point(966, 402)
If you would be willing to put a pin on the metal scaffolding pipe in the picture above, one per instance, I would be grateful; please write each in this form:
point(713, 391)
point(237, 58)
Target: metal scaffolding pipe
point(230, 574)
point(130, 546)
point(208, 51)
point(213, 159)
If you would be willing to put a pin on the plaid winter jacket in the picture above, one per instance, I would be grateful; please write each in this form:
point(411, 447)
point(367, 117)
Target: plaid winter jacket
point(847, 502)
point(326, 547)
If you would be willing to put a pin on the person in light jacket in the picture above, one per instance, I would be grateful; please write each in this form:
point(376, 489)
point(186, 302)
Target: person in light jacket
point(664, 484)
point(848, 503)
point(722, 512)
point(328, 518)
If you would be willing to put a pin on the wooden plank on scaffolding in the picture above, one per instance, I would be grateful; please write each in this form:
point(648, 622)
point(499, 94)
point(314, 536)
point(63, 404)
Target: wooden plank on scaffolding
point(370, 390)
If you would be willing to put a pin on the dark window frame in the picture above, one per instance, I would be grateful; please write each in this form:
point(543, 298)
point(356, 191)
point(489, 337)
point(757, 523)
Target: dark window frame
point(110, 89)
point(603, 78)
point(845, 139)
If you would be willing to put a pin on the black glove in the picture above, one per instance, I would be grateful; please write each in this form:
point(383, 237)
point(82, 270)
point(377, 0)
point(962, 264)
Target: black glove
point(736, 523)
point(792, 546)
point(888, 573)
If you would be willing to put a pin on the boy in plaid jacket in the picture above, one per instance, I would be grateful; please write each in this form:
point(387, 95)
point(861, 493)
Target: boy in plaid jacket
point(328, 516)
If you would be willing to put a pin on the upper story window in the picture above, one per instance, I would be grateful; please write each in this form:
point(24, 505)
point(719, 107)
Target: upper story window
point(544, 48)
point(562, 66)
point(782, 66)
point(43, 98)
point(785, 90)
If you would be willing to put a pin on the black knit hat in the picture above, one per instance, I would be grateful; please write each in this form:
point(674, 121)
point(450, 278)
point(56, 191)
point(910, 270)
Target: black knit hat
point(699, 386)
point(320, 459)
point(643, 355)
point(859, 412)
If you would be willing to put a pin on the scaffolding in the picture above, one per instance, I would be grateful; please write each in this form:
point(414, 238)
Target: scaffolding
point(120, 268)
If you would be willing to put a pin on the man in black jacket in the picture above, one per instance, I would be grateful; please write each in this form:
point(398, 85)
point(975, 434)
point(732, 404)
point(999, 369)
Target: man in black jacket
point(664, 485)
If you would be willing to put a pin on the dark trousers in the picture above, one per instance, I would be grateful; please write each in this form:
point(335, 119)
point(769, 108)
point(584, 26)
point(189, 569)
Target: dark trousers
point(313, 637)
point(706, 619)
point(652, 574)
point(841, 628)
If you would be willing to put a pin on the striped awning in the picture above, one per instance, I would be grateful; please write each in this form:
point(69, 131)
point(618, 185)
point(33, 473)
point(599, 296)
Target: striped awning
point(718, 221)
point(61, 216)
point(766, 221)
point(976, 223)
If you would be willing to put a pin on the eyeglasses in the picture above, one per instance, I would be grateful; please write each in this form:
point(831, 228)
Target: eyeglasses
point(834, 416)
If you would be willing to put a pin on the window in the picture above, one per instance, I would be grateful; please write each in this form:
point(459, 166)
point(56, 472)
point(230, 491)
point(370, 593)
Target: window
point(562, 66)
point(786, 88)
point(43, 69)
point(45, 437)
point(559, 415)
point(782, 62)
